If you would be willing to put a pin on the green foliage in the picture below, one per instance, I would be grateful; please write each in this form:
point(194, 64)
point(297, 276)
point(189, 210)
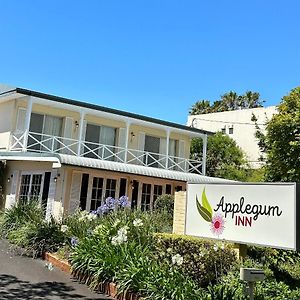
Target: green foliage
point(228, 101)
point(38, 237)
point(165, 202)
point(204, 261)
point(282, 140)
point(24, 226)
point(224, 158)
point(19, 215)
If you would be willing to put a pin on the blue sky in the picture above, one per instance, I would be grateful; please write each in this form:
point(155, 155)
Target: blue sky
point(155, 57)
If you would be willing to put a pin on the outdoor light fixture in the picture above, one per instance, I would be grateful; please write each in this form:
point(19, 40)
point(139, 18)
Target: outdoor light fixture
point(9, 178)
point(132, 136)
point(56, 177)
point(76, 124)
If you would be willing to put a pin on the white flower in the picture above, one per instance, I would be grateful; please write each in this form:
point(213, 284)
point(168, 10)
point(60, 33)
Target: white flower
point(138, 223)
point(177, 259)
point(223, 246)
point(123, 230)
point(91, 217)
point(169, 250)
point(216, 247)
point(119, 239)
point(64, 228)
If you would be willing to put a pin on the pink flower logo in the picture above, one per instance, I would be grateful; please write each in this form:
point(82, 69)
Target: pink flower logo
point(217, 222)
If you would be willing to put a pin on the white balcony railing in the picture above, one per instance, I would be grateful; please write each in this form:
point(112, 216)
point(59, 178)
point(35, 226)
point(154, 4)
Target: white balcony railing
point(43, 143)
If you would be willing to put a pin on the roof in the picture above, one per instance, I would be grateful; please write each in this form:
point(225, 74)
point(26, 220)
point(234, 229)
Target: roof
point(104, 109)
point(111, 166)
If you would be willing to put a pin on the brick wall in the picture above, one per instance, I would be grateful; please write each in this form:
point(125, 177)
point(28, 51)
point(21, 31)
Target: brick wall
point(179, 213)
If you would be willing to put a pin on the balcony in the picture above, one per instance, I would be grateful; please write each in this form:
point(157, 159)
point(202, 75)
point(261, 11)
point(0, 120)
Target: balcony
point(41, 143)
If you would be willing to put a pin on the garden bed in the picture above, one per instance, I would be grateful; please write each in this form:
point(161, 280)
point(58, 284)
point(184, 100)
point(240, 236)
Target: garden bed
point(108, 288)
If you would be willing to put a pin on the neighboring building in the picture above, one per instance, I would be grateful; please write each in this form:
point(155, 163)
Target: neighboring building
point(72, 154)
point(238, 125)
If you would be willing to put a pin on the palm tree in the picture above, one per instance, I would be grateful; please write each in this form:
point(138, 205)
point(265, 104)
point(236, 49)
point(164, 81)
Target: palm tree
point(252, 100)
point(200, 107)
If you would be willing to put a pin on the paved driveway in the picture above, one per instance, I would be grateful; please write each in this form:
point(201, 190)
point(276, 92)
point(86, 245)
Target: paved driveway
point(23, 278)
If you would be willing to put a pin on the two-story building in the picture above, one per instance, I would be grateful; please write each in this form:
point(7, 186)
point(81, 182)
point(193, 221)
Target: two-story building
point(71, 154)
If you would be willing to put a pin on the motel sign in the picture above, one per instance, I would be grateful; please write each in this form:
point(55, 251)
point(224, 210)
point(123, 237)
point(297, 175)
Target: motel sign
point(261, 214)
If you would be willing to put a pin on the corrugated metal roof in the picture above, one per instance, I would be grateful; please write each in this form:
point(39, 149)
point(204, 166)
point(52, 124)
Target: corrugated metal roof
point(58, 159)
point(136, 169)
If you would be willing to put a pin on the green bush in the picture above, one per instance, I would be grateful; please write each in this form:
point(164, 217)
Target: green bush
point(165, 203)
point(20, 214)
point(24, 225)
point(204, 260)
point(38, 237)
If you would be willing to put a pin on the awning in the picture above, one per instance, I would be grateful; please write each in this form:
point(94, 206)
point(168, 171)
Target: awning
point(63, 159)
point(136, 169)
point(26, 156)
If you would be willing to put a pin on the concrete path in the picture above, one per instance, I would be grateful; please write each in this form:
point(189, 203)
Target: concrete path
point(23, 278)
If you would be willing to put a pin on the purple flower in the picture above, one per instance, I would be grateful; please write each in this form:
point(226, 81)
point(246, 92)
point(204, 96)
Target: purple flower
point(74, 241)
point(123, 201)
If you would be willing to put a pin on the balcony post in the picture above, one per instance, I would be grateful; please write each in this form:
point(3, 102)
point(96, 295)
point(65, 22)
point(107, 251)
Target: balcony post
point(126, 141)
point(80, 132)
point(27, 123)
point(167, 148)
point(204, 138)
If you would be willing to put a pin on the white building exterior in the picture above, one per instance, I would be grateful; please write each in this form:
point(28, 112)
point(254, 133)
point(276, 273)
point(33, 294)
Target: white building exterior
point(71, 154)
point(238, 125)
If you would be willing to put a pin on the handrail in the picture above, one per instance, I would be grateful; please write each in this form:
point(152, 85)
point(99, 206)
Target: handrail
point(43, 143)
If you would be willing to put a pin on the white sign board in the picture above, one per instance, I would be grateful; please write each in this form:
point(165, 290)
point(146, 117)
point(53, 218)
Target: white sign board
point(260, 214)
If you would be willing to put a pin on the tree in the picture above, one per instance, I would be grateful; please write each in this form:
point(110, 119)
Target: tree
point(224, 158)
point(228, 101)
point(282, 140)
point(200, 107)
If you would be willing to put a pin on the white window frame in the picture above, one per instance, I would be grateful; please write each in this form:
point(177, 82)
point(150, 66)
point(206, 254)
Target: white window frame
point(31, 173)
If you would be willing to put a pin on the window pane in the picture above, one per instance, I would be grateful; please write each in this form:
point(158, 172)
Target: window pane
point(36, 186)
point(152, 146)
point(146, 196)
point(92, 135)
point(110, 188)
point(24, 188)
point(157, 192)
point(96, 193)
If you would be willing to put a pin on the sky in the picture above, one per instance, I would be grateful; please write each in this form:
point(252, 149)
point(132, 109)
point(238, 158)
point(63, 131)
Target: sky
point(155, 58)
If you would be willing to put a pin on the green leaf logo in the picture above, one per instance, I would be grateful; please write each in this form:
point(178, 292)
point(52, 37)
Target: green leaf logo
point(205, 209)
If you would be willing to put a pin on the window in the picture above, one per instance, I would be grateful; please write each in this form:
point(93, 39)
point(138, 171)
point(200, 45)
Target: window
point(151, 145)
point(96, 193)
point(168, 189)
point(111, 185)
point(223, 130)
point(30, 186)
point(157, 192)
point(230, 130)
point(146, 196)
point(42, 128)
point(97, 136)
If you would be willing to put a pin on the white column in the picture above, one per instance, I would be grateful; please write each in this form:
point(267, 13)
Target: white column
point(167, 148)
point(126, 140)
point(27, 122)
point(204, 138)
point(80, 131)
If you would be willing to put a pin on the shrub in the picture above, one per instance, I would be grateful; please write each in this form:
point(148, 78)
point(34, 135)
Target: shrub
point(38, 237)
point(204, 260)
point(20, 214)
point(165, 203)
